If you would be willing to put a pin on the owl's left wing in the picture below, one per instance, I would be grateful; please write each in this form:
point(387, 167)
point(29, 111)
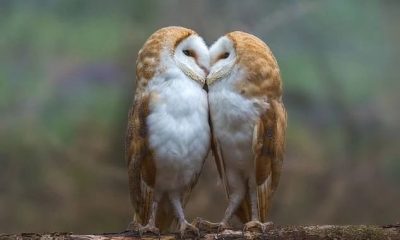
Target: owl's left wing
point(268, 148)
point(141, 169)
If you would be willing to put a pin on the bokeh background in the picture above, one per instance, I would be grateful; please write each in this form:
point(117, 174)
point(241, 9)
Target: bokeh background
point(67, 80)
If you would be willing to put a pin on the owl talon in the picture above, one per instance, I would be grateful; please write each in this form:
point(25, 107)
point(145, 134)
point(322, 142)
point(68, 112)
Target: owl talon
point(149, 228)
point(187, 227)
point(223, 226)
point(254, 225)
point(267, 226)
point(134, 226)
point(208, 226)
point(257, 225)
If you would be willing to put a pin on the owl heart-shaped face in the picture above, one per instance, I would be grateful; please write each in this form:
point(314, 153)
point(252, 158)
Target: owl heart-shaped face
point(172, 51)
point(246, 57)
point(222, 59)
point(191, 56)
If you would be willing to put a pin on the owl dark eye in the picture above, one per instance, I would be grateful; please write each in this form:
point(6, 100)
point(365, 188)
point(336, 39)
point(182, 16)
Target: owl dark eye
point(224, 55)
point(188, 53)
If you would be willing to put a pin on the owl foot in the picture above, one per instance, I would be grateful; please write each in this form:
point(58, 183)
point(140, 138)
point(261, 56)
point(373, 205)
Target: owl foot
point(223, 226)
point(268, 226)
point(149, 228)
point(257, 225)
point(210, 226)
point(134, 226)
point(187, 227)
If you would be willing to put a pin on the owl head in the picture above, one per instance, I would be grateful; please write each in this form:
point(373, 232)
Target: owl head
point(173, 47)
point(240, 52)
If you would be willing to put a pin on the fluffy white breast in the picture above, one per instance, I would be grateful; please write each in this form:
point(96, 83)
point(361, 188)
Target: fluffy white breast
point(233, 117)
point(179, 133)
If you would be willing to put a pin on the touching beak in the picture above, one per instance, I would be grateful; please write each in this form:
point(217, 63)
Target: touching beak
point(206, 72)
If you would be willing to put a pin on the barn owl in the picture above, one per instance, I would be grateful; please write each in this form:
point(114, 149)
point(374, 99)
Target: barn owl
point(168, 134)
point(248, 124)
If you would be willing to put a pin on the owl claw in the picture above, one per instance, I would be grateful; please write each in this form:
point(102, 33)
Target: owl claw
point(134, 226)
point(185, 226)
point(210, 226)
point(223, 226)
point(253, 225)
point(257, 225)
point(149, 228)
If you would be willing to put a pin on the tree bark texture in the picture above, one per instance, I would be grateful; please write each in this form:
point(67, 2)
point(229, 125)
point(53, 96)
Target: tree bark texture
point(357, 232)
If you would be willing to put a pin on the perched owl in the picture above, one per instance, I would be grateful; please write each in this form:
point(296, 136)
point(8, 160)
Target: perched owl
point(248, 123)
point(168, 134)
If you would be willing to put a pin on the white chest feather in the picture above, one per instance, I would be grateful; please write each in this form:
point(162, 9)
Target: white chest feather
point(179, 133)
point(233, 117)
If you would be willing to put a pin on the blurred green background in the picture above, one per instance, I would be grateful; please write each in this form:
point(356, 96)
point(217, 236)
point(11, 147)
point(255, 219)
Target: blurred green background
point(67, 72)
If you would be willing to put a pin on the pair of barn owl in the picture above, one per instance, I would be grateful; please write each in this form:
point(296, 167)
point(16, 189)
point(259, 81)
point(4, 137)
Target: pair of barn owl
point(175, 120)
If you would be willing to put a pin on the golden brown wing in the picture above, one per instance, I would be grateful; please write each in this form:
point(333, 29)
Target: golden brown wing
point(268, 148)
point(141, 168)
point(141, 171)
point(269, 157)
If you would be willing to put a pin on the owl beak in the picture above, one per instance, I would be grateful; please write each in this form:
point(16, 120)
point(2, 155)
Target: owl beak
point(205, 70)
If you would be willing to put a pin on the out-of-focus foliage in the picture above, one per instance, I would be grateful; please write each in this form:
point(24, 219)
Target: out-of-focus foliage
point(67, 80)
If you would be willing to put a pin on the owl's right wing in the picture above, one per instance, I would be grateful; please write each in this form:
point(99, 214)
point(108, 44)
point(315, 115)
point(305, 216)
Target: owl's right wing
point(141, 168)
point(268, 147)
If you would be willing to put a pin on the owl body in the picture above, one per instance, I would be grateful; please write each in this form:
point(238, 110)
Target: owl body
point(168, 134)
point(248, 122)
point(233, 117)
point(179, 133)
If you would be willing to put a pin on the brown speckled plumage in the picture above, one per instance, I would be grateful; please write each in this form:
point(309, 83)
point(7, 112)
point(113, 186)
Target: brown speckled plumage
point(263, 75)
point(139, 155)
point(262, 81)
point(148, 60)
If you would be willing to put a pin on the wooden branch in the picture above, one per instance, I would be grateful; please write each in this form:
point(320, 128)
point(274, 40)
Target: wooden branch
point(360, 232)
